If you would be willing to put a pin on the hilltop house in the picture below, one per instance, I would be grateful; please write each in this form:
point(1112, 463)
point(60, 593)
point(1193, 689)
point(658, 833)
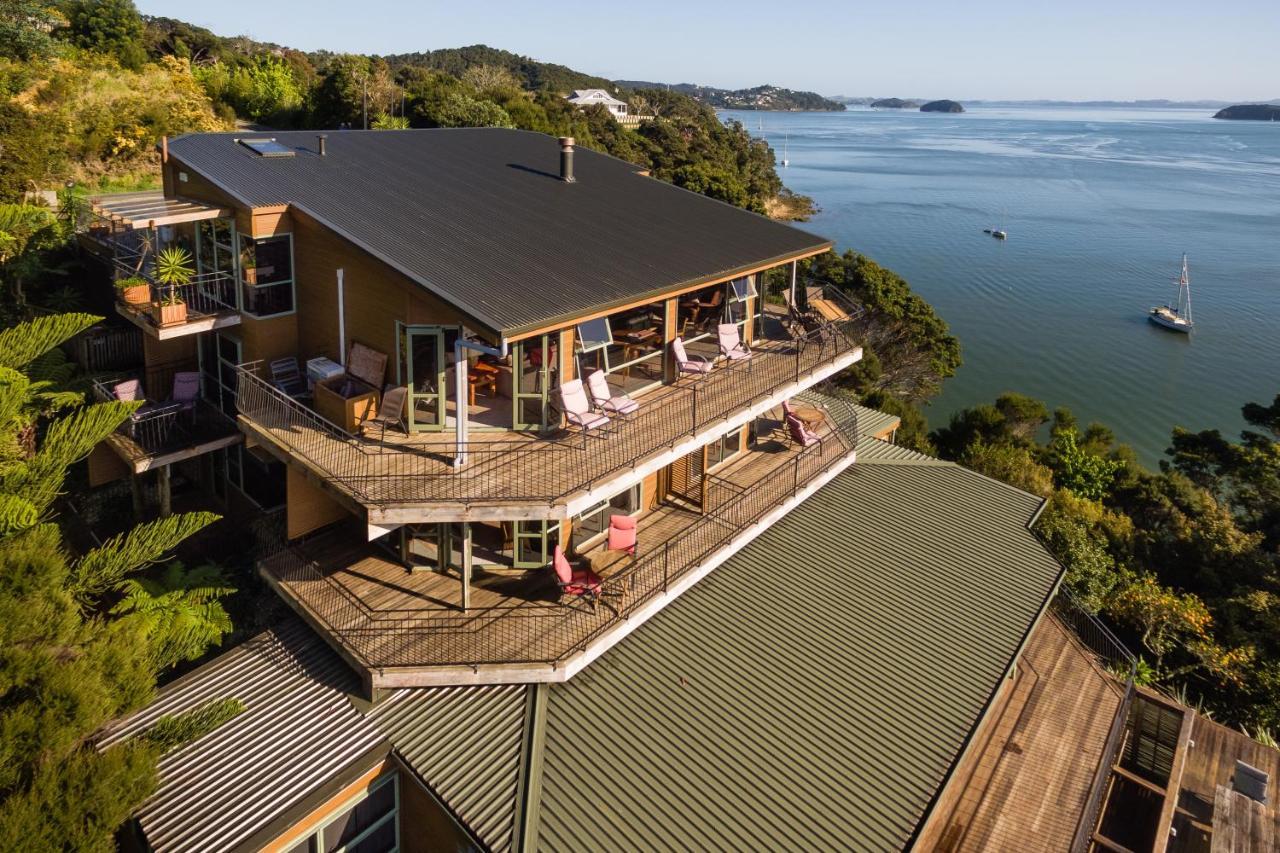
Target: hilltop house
point(587, 97)
point(580, 555)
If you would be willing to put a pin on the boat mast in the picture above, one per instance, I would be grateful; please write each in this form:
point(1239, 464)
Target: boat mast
point(1184, 286)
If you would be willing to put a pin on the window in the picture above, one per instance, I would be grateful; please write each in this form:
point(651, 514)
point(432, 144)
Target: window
point(594, 334)
point(368, 825)
point(741, 289)
point(595, 520)
point(259, 480)
point(724, 448)
point(266, 275)
point(267, 147)
point(219, 355)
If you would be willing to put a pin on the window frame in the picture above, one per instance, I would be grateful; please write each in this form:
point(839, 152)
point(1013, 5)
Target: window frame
point(314, 839)
point(290, 282)
point(604, 507)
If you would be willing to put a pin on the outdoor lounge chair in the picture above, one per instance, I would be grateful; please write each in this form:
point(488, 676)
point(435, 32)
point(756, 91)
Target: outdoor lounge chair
point(801, 434)
point(186, 390)
point(732, 347)
point(390, 411)
point(128, 390)
point(604, 398)
point(286, 376)
point(696, 366)
point(622, 534)
point(577, 409)
point(580, 582)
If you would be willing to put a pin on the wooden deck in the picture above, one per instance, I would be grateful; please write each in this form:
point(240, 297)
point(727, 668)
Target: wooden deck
point(385, 618)
point(1030, 778)
point(411, 478)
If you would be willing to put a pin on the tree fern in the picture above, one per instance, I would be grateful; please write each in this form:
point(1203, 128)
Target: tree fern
point(181, 610)
point(105, 567)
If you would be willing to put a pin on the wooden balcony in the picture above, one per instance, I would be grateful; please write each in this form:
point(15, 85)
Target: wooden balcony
point(159, 434)
point(412, 478)
point(205, 303)
point(402, 628)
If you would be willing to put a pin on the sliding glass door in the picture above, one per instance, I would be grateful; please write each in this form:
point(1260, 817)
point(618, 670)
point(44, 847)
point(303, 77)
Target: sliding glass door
point(423, 361)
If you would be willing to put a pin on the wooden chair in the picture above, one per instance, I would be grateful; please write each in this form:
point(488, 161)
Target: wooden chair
point(390, 411)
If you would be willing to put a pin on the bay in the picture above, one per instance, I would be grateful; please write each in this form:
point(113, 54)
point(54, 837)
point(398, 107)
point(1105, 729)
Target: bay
point(1099, 203)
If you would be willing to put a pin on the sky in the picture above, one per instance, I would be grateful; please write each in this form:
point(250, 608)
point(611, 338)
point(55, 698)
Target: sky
point(1065, 49)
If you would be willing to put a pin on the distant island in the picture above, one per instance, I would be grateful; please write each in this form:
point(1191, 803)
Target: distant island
point(894, 104)
point(943, 106)
point(1250, 112)
point(760, 98)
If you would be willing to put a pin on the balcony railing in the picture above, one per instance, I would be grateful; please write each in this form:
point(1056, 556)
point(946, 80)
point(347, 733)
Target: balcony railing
point(553, 635)
point(159, 428)
point(549, 469)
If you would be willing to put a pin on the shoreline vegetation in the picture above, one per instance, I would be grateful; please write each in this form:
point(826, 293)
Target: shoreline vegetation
point(1250, 112)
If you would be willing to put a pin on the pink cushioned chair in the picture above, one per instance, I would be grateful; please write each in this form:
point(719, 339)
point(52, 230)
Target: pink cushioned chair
point(732, 347)
point(186, 390)
point(580, 582)
point(130, 389)
point(604, 398)
point(696, 366)
point(622, 534)
point(800, 433)
point(577, 409)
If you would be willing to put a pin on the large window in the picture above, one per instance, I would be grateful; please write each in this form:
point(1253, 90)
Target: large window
point(595, 520)
point(215, 246)
point(724, 448)
point(627, 346)
point(266, 275)
point(260, 480)
point(219, 355)
point(369, 825)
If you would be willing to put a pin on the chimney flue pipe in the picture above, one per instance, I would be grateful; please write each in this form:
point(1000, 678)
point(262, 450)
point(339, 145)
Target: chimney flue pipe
point(320, 143)
point(566, 159)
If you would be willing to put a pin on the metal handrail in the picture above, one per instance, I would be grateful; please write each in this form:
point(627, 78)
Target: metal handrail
point(553, 468)
point(517, 638)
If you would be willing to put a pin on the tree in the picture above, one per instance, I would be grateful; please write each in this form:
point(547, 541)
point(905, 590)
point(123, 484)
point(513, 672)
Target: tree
point(1088, 475)
point(113, 27)
point(26, 28)
point(458, 110)
point(71, 659)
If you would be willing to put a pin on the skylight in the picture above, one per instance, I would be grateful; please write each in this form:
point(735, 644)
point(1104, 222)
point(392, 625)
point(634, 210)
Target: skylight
point(267, 147)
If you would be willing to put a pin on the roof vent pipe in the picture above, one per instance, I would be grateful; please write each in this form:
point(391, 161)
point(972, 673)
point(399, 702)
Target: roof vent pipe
point(566, 159)
point(320, 140)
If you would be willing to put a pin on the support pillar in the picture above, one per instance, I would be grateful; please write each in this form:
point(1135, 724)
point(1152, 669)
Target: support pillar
point(139, 505)
point(466, 566)
point(166, 493)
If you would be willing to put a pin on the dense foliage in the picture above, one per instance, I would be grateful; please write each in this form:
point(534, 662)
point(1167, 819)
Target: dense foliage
point(83, 639)
point(1185, 561)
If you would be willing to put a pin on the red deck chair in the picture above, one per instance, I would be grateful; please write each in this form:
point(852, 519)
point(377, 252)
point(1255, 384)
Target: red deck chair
point(581, 582)
point(622, 534)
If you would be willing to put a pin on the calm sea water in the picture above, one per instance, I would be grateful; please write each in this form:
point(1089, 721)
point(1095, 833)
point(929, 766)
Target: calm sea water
point(1099, 205)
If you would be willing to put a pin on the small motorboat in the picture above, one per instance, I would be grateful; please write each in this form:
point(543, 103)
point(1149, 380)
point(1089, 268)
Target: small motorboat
point(1000, 234)
point(1176, 317)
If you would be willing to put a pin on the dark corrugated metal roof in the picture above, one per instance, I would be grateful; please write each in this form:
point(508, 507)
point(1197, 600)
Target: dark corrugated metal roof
point(465, 743)
point(815, 690)
point(299, 731)
point(479, 216)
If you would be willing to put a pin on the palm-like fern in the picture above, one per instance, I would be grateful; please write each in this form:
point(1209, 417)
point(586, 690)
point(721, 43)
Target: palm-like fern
point(180, 608)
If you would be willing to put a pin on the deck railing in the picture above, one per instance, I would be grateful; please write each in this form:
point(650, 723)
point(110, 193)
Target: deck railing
point(1102, 644)
point(551, 635)
point(549, 469)
point(158, 427)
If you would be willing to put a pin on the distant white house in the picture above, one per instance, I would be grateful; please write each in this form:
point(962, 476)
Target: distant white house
point(587, 97)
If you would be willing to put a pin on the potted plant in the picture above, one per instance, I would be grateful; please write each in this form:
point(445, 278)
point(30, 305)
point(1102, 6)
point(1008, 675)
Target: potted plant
point(134, 290)
point(173, 269)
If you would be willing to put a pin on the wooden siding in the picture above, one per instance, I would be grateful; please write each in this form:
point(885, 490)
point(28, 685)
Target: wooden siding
point(376, 296)
point(313, 821)
point(308, 506)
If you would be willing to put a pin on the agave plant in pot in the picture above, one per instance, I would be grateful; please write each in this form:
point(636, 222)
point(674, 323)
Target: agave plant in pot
point(173, 270)
point(134, 290)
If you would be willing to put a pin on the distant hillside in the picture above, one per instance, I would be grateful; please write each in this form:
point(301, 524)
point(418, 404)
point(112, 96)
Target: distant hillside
point(943, 106)
point(531, 73)
point(894, 104)
point(1250, 112)
point(759, 98)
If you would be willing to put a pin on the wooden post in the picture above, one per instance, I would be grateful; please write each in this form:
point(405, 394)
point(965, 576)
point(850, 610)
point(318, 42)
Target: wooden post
point(670, 331)
point(794, 266)
point(166, 496)
point(466, 566)
point(135, 487)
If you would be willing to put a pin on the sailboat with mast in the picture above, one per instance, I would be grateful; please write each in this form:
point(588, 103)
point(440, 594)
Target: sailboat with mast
point(1178, 315)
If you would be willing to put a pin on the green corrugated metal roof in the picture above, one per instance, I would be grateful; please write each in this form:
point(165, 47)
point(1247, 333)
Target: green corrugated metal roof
point(813, 691)
point(873, 422)
point(465, 743)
